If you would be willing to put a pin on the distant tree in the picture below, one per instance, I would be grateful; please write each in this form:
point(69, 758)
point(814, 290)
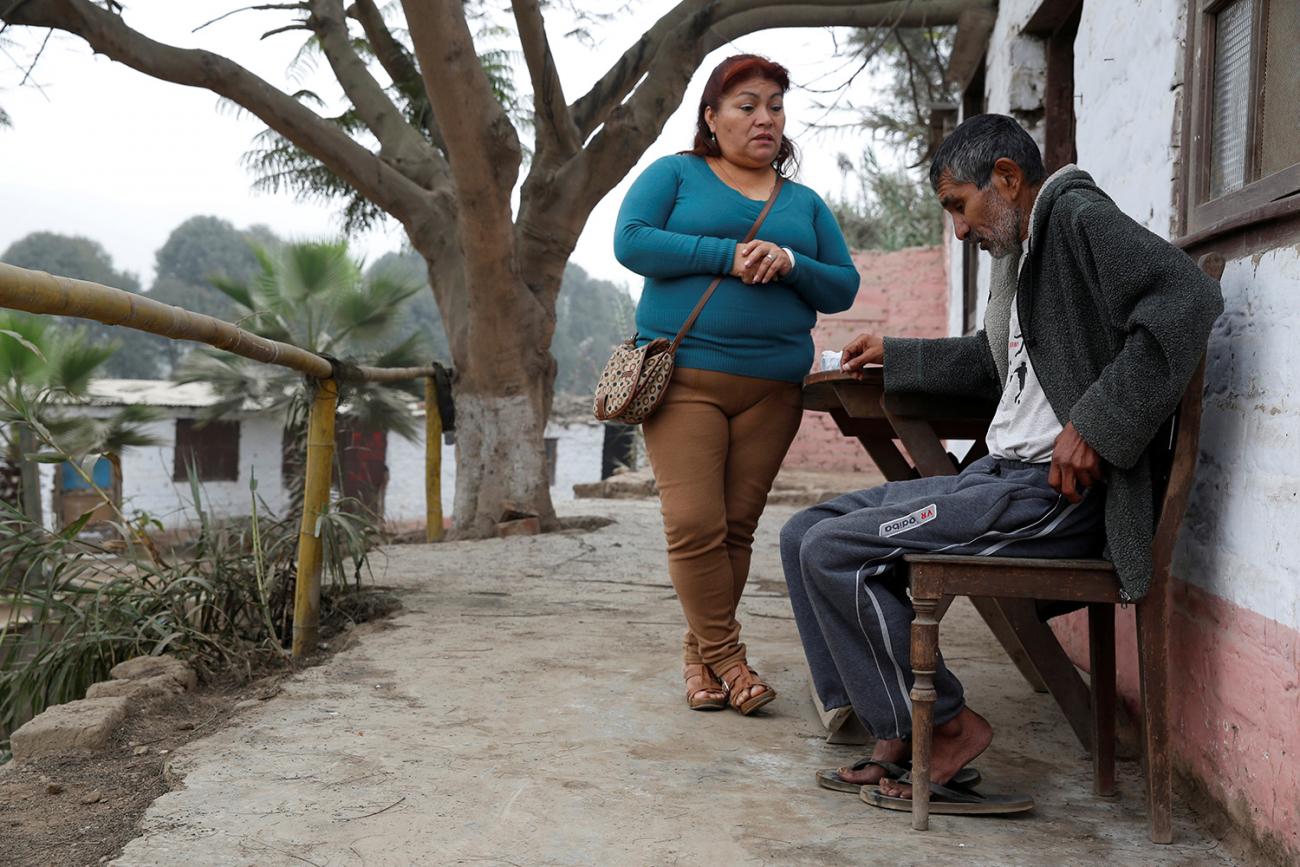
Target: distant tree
point(913, 60)
point(427, 136)
point(199, 250)
point(203, 248)
point(890, 210)
point(592, 315)
point(85, 259)
point(421, 316)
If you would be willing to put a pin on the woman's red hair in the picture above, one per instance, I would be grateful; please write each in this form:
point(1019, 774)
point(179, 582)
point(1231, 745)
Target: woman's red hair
point(733, 70)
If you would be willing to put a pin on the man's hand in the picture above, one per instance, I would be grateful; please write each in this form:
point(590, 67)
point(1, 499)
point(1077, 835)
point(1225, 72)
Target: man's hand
point(1075, 465)
point(863, 349)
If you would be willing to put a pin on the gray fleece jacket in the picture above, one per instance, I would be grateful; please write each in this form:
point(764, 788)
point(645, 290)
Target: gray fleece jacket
point(1115, 320)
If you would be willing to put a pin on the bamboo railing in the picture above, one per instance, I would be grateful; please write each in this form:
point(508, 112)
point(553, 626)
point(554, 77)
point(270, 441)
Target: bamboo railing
point(42, 293)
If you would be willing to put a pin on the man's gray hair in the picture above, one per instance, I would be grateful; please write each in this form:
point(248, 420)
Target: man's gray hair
point(977, 143)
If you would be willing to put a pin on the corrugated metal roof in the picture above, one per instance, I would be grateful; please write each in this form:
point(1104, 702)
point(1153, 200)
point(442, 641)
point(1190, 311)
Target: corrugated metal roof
point(150, 392)
point(164, 393)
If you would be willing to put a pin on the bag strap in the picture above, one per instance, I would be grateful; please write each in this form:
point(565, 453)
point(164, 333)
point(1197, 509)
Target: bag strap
point(753, 230)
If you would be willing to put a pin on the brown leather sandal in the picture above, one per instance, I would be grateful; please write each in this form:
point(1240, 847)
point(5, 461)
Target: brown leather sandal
point(735, 688)
point(700, 681)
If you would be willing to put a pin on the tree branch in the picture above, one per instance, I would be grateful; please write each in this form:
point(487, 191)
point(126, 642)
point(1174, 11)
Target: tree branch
point(109, 35)
point(483, 149)
point(399, 144)
point(398, 63)
point(554, 124)
point(634, 122)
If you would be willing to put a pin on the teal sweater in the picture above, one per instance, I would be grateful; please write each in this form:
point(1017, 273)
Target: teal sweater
point(679, 227)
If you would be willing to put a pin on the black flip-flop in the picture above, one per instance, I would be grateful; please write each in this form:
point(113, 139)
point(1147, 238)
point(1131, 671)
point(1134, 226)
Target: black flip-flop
point(951, 800)
point(829, 778)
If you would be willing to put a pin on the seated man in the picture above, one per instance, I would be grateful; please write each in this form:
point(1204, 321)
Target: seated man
point(1090, 339)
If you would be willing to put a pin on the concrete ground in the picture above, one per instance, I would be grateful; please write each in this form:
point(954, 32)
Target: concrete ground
point(526, 708)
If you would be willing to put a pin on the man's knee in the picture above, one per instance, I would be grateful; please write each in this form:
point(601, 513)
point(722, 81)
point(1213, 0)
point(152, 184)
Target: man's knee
point(792, 534)
point(816, 550)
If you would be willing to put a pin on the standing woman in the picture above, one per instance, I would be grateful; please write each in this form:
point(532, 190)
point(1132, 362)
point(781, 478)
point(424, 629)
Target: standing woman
point(733, 405)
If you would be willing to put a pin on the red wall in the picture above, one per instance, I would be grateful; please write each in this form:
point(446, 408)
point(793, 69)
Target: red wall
point(903, 293)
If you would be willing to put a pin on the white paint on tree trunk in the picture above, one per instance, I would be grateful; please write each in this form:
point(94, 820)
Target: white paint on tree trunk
point(499, 459)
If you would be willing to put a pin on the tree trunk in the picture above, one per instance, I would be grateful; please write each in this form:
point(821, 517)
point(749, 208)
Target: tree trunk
point(502, 396)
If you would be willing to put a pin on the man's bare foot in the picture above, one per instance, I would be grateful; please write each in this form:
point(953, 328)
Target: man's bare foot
point(897, 750)
point(956, 744)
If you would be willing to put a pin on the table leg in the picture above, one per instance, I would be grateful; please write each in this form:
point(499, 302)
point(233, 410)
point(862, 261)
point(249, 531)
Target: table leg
point(923, 444)
point(893, 466)
point(979, 448)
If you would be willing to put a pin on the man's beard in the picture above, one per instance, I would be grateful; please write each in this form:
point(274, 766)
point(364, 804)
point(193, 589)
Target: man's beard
point(1003, 237)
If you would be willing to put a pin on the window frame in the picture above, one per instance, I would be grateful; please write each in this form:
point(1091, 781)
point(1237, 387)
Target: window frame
point(1256, 200)
point(196, 430)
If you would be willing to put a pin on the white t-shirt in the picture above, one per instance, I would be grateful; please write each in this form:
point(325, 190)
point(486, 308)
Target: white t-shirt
point(1024, 428)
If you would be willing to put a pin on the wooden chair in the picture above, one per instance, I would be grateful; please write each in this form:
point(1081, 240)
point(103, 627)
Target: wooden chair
point(1018, 584)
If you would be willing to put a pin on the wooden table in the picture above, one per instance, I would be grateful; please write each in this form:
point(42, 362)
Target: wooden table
point(892, 427)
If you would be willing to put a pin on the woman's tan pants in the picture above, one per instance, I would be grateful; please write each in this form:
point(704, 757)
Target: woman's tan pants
point(716, 444)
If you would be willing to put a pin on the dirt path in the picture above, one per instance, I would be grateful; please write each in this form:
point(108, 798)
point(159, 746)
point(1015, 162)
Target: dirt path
point(525, 709)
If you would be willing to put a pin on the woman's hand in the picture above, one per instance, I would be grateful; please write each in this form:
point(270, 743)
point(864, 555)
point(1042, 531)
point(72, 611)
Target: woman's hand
point(760, 262)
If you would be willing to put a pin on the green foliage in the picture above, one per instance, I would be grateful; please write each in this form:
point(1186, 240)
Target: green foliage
point(913, 60)
point(225, 604)
point(200, 249)
point(592, 316)
point(421, 319)
point(45, 372)
point(314, 295)
point(84, 259)
point(890, 210)
point(279, 165)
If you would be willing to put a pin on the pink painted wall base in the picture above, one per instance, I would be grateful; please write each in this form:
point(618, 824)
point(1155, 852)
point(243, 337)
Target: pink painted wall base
point(1234, 704)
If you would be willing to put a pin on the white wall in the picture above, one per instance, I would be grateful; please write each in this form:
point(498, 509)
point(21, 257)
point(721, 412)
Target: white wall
point(1127, 83)
point(577, 460)
point(147, 484)
point(1240, 539)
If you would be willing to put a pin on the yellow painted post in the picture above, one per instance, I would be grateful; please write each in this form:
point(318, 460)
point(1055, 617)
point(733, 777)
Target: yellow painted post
point(432, 462)
point(316, 495)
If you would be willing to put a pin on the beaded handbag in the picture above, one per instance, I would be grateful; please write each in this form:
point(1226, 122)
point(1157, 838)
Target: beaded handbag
point(635, 378)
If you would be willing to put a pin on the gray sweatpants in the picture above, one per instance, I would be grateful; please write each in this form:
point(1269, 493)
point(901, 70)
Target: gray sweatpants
point(853, 611)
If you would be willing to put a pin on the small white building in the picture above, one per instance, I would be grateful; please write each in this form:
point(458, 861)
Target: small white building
point(228, 454)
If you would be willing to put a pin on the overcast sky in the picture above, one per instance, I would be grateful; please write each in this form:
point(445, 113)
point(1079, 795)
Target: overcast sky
point(100, 150)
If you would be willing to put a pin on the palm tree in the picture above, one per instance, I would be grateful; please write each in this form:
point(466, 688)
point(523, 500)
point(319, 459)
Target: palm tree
point(45, 372)
point(314, 295)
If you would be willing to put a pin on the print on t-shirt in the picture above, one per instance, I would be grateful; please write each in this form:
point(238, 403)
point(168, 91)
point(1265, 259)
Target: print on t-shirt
point(1017, 348)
